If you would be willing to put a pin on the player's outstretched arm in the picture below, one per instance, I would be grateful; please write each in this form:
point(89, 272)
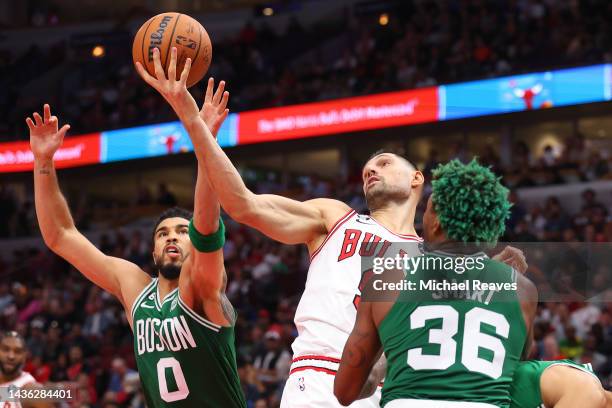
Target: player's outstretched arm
point(361, 351)
point(285, 220)
point(202, 280)
point(56, 224)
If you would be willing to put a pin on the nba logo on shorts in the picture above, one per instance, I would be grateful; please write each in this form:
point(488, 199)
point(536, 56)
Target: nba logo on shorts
point(301, 385)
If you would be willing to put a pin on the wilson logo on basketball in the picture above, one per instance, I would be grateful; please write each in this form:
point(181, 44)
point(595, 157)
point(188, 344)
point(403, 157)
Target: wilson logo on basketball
point(157, 36)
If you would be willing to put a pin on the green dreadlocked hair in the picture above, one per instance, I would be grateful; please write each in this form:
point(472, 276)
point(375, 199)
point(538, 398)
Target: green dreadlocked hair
point(470, 202)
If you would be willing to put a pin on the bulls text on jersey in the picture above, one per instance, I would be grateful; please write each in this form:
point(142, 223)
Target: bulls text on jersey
point(369, 244)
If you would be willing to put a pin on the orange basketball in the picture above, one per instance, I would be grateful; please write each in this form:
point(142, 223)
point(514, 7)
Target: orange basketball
point(168, 30)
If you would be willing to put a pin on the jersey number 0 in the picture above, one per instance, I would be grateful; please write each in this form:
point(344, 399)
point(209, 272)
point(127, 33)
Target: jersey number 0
point(182, 390)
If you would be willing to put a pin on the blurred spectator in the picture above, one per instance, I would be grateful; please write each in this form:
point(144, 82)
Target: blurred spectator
point(86, 391)
point(571, 345)
point(549, 158)
point(98, 318)
point(136, 252)
point(164, 196)
point(144, 196)
point(550, 349)
point(556, 220)
point(120, 372)
point(76, 364)
point(272, 363)
point(252, 387)
point(584, 318)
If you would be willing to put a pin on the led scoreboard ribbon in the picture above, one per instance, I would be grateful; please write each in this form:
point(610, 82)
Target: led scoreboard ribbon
point(515, 93)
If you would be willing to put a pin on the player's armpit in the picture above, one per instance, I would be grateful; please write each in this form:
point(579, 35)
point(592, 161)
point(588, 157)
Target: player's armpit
point(289, 221)
point(361, 351)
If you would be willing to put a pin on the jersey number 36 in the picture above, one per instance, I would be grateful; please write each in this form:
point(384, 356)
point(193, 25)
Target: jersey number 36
point(472, 340)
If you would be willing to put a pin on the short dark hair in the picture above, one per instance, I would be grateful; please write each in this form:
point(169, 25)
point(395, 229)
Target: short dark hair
point(12, 334)
point(171, 213)
point(390, 151)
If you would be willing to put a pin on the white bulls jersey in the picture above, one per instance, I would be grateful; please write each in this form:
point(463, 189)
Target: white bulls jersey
point(23, 379)
point(328, 308)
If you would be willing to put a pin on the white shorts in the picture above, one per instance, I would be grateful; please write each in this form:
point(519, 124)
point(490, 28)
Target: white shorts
point(412, 403)
point(315, 389)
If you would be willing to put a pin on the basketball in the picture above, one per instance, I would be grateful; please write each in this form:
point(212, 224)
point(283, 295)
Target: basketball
point(168, 30)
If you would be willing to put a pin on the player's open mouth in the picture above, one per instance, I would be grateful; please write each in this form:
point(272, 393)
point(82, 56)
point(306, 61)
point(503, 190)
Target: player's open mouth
point(372, 180)
point(172, 251)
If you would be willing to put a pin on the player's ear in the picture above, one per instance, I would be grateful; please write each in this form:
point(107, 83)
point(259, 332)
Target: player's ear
point(418, 179)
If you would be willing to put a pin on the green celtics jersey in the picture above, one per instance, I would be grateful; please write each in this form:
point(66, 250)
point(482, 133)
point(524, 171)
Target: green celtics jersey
point(455, 333)
point(525, 389)
point(183, 359)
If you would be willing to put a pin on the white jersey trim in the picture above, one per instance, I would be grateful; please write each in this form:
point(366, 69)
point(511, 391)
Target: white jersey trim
point(206, 323)
point(325, 364)
point(335, 228)
point(168, 297)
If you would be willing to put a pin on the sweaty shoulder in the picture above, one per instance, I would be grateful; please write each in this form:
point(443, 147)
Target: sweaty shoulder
point(331, 210)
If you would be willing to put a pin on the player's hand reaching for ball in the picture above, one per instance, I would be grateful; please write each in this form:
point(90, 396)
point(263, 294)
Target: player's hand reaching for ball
point(173, 90)
point(45, 138)
point(214, 110)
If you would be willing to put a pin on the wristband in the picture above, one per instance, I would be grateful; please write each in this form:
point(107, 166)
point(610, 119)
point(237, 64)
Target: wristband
point(207, 243)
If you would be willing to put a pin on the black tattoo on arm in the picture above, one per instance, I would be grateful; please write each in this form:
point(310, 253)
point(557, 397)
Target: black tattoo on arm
point(354, 353)
point(228, 310)
point(224, 284)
